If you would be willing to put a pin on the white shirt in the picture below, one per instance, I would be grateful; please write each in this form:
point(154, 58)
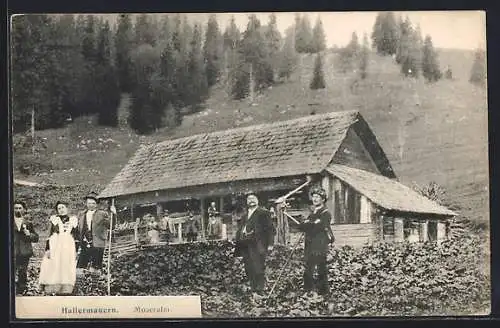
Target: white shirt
point(317, 209)
point(90, 214)
point(250, 212)
point(19, 223)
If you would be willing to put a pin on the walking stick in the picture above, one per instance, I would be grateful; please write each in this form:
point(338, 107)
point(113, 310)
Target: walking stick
point(109, 249)
point(285, 265)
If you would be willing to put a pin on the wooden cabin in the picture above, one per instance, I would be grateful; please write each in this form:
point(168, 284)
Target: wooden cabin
point(337, 150)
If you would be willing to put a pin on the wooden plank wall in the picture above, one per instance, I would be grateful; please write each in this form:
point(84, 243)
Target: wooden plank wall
point(355, 235)
point(353, 153)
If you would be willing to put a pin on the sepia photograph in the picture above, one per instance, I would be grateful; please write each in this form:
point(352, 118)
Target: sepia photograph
point(249, 165)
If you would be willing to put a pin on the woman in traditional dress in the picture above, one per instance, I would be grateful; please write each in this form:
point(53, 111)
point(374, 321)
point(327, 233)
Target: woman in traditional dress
point(58, 268)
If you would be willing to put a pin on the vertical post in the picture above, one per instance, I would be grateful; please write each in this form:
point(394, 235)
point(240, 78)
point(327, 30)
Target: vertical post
point(379, 219)
point(33, 130)
point(159, 210)
point(179, 232)
point(221, 205)
point(251, 83)
point(325, 184)
point(441, 231)
point(286, 229)
point(109, 246)
point(224, 231)
point(280, 231)
point(365, 210)
point(398, 230)
point(202, 212)
point(223, 224)
point(423, 231)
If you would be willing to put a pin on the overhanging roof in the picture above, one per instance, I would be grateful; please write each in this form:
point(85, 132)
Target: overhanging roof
point(387, 193)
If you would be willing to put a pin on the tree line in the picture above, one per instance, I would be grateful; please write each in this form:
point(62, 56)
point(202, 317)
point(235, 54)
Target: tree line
point(66, 66)
point(415, 55)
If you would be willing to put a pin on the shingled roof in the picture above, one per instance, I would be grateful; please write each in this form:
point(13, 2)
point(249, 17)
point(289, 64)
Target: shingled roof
point(387, 193)
point(301, 146)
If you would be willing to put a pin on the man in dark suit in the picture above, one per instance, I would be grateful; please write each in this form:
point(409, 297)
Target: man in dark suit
point(93, 225)
point(253, 239)
point(318, 237)
point(24, 235)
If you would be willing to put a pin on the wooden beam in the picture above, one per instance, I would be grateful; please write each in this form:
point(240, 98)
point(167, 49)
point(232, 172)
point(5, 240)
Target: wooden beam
point(221, 205)
point(159, 210)
point(214, 190)
point(441, 232)
point(202, 212)
point(424, 231)
point(398, 230)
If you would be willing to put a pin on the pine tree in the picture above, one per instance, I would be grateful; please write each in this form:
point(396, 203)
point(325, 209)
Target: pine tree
point(168, 73)
point(145, 30)
point(350, 54)
point(165, 31)
point(303, 34)
point(364, 57)
point(353, 48)
point(231, 42)
point(212, 51)
point(177, 32)
point(272, 37)
point(30, 71)
point(318, 81)
point(232, 35)
point(71, 63)
point(408, 52)
point(145, 115)
point(108, 96)
point(123, 44)
point(478, 71)
point(89, 50)
point(254, 60)
point(288, 55)
point(418, 47)
point(318, 37)
point(183, 79)
point(197, 85)
point(385, 34)
point(88, 42)
point(430, 64)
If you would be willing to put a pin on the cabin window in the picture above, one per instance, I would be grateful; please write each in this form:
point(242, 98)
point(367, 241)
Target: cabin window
point(388, 226)
point(432, 230)
point(411, 230)
point(347, 205)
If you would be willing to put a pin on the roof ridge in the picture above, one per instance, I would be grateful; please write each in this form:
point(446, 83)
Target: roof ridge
point(252, 127)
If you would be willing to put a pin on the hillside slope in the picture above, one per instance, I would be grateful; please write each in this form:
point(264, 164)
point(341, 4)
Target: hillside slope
point(430, 133)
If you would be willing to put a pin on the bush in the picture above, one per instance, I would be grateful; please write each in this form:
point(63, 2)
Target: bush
point(385, 279)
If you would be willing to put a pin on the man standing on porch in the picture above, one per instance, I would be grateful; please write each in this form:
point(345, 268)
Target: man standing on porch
point(255, 235)
point(318, 236)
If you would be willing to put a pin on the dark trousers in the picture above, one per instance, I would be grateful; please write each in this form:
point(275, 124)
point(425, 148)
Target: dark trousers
point(255, 267)
point(313, 261)
point(21, 263)
point(92, 256)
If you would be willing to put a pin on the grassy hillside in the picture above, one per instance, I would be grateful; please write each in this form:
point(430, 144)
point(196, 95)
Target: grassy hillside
point(430, 133)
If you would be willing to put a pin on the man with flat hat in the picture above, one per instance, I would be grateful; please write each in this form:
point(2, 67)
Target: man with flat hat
point(93, 225)
point(254, 236)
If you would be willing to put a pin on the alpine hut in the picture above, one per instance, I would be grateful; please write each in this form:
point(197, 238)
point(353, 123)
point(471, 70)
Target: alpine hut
point(337, 150)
